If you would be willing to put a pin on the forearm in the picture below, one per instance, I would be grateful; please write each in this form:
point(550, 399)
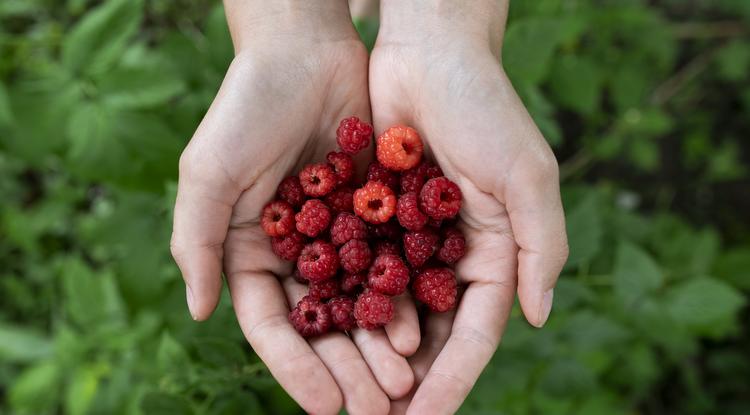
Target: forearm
point(251, 21)
point(418, 20)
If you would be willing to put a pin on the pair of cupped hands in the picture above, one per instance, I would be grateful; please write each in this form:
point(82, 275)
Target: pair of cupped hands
point(296, 74)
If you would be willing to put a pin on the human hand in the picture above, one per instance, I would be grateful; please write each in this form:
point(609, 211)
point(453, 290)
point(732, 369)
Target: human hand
point(436, 67)
point(298, 70)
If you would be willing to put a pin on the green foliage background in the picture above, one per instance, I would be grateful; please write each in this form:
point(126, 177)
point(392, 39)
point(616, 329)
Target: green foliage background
point(647, 105)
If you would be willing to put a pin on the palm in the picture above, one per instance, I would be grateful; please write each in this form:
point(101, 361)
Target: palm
point(272, 115)
point(477, 130)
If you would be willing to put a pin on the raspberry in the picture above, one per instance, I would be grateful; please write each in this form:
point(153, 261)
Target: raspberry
point(377, 172)
point(342, 313)
point(288, 247)
point(353, 283)
point(372, 310)
point(436, 287)
point(318, 261)
point(353, 135)
point(389, 230)
point(413, 179)
point(297, 277)
point(341, 200)
point(408, 213)
point(313, 218)
point(440, 198)
point(453, 247)
point(383, 247)
point(342, 166)
point(325, 289)
point(399, 148)
point(355, 256)
point(290, 191)
point(311, 317)
point(346, 227)
point(388, 275)
point(419, 246)
point(277, 218)
point(375, 202)
point(317, 179)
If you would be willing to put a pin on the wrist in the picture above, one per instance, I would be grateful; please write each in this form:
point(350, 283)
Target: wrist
point(253, 22)
point(478, 23)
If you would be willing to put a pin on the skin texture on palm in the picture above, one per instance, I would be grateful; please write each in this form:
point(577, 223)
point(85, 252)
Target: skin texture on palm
point(278, 109)
point(442, 76)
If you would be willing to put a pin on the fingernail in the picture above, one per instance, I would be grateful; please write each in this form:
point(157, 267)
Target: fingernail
point(546, 307)
point(190, 301)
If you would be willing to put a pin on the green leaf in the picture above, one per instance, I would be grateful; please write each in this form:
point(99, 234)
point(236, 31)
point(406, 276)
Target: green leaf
point(36, 389)
point(81, 390)
point(528, 47)
point(6, 115)
point(90, 298)
point(157, 403)
point(635, 274)
point(171, 356)
point(220, 352)
point(95, 151)
point(734, 61)
point(96, 42)
point(576, 82)
point(585, 231)
point(733, 266)
point(131, 88)
point(21, 344)
point(566, 377)
point(706, 306)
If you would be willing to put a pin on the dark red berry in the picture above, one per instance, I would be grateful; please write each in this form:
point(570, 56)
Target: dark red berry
point(290, 190)
point(346, 227)
point(388, 275)
point(419, 246)
point(453, 247)
point(341, 200)
point(355, 256)
point(288, 247)
point(342, 165)
point(342, 313)
point(311, 317)
point(313, 218)
point(376, 172)
point(277, 218)
point(436, 287)
point(412, 180)
point(372, 310)
point(318, 261)
point(440, 198)
point(408, 213)
point(353, 283)
point(353, 135)
point(324, 289)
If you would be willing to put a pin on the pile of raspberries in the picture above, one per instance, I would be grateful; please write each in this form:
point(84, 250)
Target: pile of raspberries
point(358, 244)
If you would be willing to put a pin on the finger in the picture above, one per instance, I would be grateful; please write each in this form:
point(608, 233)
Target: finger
point(538, 223)
point(361, 392)
point(205, 196)
point(403, 331)
point(437, 328)
point(475, 334)
point(261, 307)
point(390, 368)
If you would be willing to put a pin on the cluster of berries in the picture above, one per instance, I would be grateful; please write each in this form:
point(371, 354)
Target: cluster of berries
point(357, 248)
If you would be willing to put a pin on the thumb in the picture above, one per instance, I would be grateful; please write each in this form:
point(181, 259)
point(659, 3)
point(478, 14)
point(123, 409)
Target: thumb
point(205, 197)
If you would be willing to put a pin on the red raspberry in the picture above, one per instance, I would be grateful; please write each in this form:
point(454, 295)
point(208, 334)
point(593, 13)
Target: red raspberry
point(389, 230)
point(388, 275)
point(383, 247)
point(353, 283)
point(436, 287)
point(419, 246)
point(311, 317)
point(399, 148)
point(355, 256)
point(372, 310)
point(440, 198)
point(342, 313)
point(313, 218)
point(288, 247)
point(318, 261)
point(325, 289)
point(347, 226)
point(377, 172)
point(453, 247)
point(342, 165)
point(375, 202)
point(353, 135)
point(408, 213)
point(317, 179)
point(290, 191)
point(341, 200)
point(277, 218)
point(413, 179)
